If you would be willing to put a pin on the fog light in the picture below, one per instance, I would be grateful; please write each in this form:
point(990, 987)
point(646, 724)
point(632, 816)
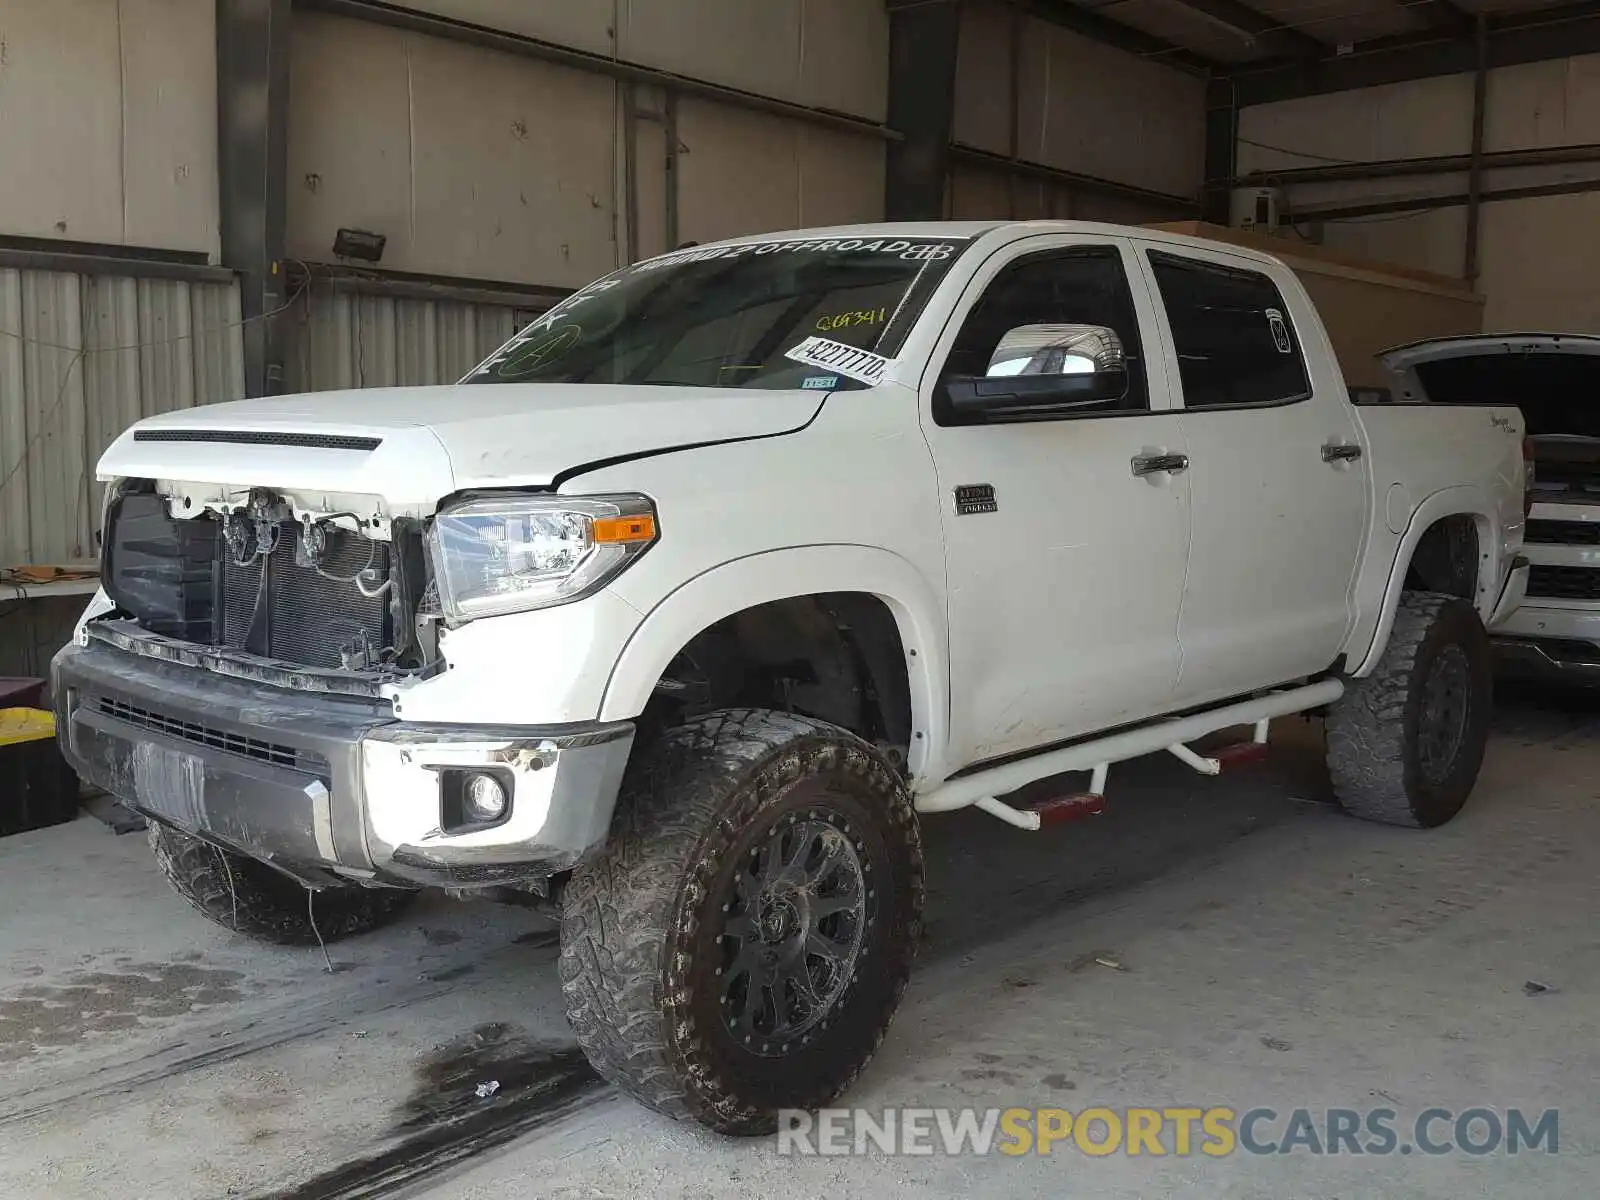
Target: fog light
point(484, 798)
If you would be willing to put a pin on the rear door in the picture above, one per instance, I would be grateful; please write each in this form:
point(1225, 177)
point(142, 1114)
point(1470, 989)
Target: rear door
point(1064, 564)
point(1279, 490)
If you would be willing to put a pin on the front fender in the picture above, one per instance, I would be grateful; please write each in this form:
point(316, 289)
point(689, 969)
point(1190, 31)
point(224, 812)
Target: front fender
point(783, 574)
point(1375, 619)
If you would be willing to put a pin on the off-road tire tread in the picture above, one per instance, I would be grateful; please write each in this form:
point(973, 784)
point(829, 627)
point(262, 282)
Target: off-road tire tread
point(251, 898)
point(621, 908)
point(1366, 726)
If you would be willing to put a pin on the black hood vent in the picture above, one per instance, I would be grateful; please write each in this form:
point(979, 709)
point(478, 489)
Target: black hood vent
point(252, 437)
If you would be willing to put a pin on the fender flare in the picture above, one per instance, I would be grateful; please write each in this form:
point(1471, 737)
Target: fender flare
point(1464, 500)
point(775, 575)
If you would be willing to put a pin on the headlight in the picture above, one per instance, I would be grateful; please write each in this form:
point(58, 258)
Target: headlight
point(500, 554)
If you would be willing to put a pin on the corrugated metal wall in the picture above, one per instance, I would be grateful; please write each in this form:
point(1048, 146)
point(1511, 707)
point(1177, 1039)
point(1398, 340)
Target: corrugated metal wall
point(345, 339)
point(81, 358)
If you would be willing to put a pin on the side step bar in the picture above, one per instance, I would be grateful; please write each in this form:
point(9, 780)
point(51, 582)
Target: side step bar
point(982, 788)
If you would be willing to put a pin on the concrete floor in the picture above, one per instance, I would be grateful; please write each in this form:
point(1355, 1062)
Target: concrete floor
point(1265, 952)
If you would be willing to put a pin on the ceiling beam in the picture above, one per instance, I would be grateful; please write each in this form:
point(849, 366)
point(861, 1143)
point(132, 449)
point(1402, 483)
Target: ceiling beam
point(1526, 37)
point(1444, 15)
point(1419, 204)
point(1400, 168)
point(1096, 28)
point(1257, 28)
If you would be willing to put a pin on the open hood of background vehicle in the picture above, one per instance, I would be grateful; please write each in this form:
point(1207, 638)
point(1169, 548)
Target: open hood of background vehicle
point(1489, 345)
point(1554, 378)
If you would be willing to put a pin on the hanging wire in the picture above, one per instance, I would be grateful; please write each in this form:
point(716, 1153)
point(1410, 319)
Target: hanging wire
point(79, 353)
point(1306, 154)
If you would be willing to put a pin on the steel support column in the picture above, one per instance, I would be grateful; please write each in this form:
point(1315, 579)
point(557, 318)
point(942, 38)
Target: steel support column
point(1222, 144)
point(252, 160)
point(923, 38)
point(1518, 37)
point(1480, 104)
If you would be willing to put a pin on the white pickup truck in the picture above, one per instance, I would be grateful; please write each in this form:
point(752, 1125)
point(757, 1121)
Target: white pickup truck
point(1551, 377)
point(685, 607)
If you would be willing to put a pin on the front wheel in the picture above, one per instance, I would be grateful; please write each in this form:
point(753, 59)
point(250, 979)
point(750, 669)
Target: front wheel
point(1405, 744)
point(744, 939)
point(251, 898)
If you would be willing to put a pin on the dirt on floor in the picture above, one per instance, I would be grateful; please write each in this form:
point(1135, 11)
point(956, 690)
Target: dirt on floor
point(1231, 942)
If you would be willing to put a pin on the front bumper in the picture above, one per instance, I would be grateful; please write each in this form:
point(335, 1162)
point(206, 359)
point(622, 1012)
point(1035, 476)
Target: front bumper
point(329, 787)
point(1552, 639)
point(1573, 661)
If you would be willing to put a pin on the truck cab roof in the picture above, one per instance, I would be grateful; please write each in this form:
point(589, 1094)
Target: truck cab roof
point(1000, 231)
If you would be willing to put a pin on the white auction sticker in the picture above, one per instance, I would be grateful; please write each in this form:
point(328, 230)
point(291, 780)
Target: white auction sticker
point(860, 365)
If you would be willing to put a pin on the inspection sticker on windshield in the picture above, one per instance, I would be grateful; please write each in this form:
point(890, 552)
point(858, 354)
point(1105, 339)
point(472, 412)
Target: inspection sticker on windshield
point(860, 365)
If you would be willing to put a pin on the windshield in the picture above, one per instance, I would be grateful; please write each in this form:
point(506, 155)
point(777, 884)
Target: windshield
point(768, 315)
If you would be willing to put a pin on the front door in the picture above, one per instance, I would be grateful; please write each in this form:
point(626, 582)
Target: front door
point(1280, 491)
point(1065, 567)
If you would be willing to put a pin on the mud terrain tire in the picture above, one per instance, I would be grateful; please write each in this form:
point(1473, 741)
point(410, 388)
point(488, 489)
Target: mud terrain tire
point(742, 942)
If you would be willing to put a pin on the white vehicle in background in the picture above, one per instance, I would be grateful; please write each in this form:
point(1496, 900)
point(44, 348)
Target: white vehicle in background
point(1552, 378)
point(688, 605)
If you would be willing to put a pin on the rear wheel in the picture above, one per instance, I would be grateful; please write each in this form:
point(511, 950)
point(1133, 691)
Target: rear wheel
point(1405, 744)
point(743, 941)
point(251, 898)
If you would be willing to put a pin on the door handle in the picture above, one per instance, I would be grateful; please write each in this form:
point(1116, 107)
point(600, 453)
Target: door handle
point(1155, 464)
point(1340, 452)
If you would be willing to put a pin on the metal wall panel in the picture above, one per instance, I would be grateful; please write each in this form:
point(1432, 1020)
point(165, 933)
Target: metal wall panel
point(81, 358)
point(473, 163)
point(1539, 261)
point(978, 193)
point(1426, 117)
point(583, 25)
point(111, 104)
point(742, 172)
point(343, 339)
point(828, 53)
point(1538, 257)
point(1102, 112)
point(1081, 106)
point(983, 78)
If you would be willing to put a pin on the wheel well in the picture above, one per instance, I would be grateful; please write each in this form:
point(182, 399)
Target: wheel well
point(836, 656)
point(1446, 558)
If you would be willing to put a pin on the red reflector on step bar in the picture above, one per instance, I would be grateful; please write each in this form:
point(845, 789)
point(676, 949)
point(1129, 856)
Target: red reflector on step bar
point(1240, 753)
point(1069, 808)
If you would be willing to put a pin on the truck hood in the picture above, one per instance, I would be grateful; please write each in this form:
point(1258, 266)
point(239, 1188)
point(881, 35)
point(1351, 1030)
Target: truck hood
point(1552, 377)
point(407, 448)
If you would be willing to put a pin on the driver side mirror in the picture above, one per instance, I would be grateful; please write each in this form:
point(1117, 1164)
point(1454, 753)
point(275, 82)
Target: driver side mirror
point(1039, 371)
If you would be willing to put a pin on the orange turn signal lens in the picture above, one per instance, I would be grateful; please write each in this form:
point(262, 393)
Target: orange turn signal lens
point(614, 531)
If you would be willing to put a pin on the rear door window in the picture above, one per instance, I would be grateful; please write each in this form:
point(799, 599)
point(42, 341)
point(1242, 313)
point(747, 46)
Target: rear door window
point(1235, 344)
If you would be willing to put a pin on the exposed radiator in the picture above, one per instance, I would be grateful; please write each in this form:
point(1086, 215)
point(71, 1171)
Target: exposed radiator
point(279, 609)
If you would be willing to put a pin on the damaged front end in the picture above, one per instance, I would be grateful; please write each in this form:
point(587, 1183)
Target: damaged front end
point(264, 588)
point(237, 683)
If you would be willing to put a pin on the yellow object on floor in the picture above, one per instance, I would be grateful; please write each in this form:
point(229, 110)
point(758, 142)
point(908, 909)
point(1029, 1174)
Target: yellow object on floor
point(25, 725)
